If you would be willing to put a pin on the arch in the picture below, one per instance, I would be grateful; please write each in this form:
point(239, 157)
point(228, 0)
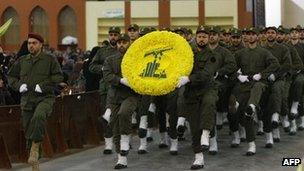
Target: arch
point(12, 36)
point(39, 23)
point(67, 23)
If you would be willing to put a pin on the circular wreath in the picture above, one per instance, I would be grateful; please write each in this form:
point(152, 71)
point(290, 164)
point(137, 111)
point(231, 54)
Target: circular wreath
point(154, 63)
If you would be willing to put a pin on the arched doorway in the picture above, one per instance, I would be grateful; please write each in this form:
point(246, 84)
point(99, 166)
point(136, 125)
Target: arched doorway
point(39, 23)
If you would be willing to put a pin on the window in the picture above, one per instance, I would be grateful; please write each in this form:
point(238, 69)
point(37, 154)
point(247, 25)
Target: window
point(12, 36)
point(67, 23)
point(39, 23)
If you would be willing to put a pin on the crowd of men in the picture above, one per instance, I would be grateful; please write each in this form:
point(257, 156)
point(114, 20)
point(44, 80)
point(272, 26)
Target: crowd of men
point(248, 77)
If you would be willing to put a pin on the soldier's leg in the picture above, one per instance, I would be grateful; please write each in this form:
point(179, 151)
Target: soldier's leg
point(143, 123)
point(297, 97)
point(161, 113)
point(181, 122)
point(266, 107)
point(104, 120)
point(247, 120)
point(194, 117)
point(36, 128)
point(208, 111)
point(171, 108)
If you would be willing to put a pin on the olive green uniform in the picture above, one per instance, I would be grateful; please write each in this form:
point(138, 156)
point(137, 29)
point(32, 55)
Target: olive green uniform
point(45, 71)
point(201, 95)
point(278, 98)
point(96, 67)
point(123, 101)
point(251, 62)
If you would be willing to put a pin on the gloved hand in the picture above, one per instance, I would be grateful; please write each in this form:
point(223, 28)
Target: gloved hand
point(124, 81)
point(216, 75)
point(257, 77)
point(152, 108)
point(183, 80)
point(271, 78)
point(38, 88)
point(23, 88)
point(243, 78)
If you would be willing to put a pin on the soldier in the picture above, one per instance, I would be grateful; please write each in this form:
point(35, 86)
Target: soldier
point(123, 102)
point(255, 64)
point(96, 67)
point(295, 81)
point(181, 31)
point(278, 98)
point(133, 32)
point(35, 76)
point(245, 37)
point(294, 40)
point(236, 41)
point(200, 95)
point(227, 67)
point(262, 36)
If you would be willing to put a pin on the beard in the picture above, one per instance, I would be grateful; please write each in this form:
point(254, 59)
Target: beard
point(113, 42)
point(271, 40)
point(201, 46)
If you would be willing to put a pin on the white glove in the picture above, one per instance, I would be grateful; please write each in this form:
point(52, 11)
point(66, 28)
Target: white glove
point(257, 77)
point(124, 81)
point(23, 88)
point(243, 78)
point(38, 88)
point(152, 108)
point(239, 71)
point(271, 77)
point(216, 74)
point(183, 80)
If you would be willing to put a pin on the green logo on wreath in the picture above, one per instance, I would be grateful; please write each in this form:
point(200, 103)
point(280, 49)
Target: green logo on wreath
point(151, 69)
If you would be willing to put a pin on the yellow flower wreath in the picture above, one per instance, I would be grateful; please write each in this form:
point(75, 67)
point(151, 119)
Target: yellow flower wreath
point(154, 63)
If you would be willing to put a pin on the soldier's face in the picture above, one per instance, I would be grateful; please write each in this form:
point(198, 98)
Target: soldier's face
point(271, 35)
point(302, 34)
point(245, 37)
point(213, 38)
point(202, 39)
point(34, 46)
point(113, 37)
point(236, 40)
point(227, 38)
point(263, 36)
point(280, 37)
point(133, 34)
point(1, 83)
point(252, 37)
point(122, 46)
point(294, 34)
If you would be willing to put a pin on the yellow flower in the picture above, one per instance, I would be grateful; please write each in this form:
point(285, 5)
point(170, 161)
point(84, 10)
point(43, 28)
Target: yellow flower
point(154, 63)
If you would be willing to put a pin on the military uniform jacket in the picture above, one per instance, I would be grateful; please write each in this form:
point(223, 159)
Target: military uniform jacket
point(282, 53)
point(43, 70)
point(100, 57)
point(257, 60)
point(233, 49)
point(112, 74)
point(226, 62)
point(296, 62)
point(206, 64)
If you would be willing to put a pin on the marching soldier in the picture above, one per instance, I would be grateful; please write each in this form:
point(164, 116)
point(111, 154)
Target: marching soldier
point(123, 101)
point(200, 95)
point(35, 76)
point(227, 67)
point(96, 67)
point(255, 65)
point(278, 98)
point(294, 83)
point(294, 40)
point(133, 32)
